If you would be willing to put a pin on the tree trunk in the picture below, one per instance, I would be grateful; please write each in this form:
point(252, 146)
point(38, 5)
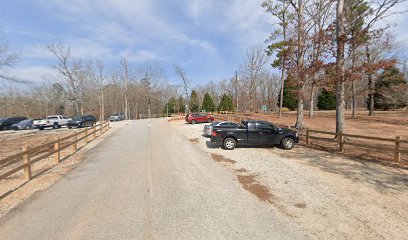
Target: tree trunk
point(340, 118)
point(353, 103)
point(102, 106)
point(299, 121)
point(311, 107)
point(299, 118)
point(371, 85)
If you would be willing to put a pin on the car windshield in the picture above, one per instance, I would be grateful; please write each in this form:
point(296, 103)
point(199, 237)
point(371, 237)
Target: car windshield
point(25, 121)
point(78, 118)
point(2, 120)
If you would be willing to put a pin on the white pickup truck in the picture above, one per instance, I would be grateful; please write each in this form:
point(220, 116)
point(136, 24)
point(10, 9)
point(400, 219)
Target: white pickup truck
point(54, 121)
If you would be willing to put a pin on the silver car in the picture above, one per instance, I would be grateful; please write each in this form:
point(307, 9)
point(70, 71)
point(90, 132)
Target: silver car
point(117, 117)
point(209, 127)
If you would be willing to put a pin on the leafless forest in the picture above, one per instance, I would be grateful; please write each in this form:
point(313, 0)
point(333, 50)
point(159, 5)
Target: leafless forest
point(342, 46)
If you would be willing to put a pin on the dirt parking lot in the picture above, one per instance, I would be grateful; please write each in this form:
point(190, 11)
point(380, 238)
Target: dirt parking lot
point(328, 196)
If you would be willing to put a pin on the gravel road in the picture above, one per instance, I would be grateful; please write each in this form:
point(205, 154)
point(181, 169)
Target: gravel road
point(147, 181)
point(325, 195)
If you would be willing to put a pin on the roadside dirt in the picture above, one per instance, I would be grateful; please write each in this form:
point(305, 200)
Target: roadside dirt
point(327, 195)
point(250, 184)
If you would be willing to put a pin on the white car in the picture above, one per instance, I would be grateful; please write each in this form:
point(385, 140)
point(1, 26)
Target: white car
point(54, 121)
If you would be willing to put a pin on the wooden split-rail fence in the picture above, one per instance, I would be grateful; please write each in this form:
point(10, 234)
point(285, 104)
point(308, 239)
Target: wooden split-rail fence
point(30, 155)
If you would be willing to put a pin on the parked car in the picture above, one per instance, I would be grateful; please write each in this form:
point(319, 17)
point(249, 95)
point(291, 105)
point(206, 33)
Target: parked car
point(82, 121)
point(6, 123)
point(255, 133)
point(117, 117)
point(54, 121)
point(25, 124)
point(209, 127)
point(194, 118)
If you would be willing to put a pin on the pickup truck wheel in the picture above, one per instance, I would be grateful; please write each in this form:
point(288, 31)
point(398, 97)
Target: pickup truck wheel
point(229, 143)
point(193, 122)
point(55, 125)
point(209, 120)
point(287, 143)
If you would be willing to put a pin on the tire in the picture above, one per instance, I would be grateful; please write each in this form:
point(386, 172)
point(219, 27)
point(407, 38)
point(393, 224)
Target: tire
point(287, 143)
point(209, 120)
point(69, 127)
point(229, 144)
point(41, 128)
point(55, 125)
point(193, 122)
point(27, 128)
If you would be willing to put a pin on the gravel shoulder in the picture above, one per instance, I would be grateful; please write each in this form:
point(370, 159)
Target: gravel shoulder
point(328, 196)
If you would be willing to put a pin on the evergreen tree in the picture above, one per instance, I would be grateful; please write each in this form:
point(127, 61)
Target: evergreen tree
point(226, 103)
point(326, 100)
point(181, 105)
point(208, 103)
point(289, 95)
point(391, 90)
point(171, 106)
point(194, 104)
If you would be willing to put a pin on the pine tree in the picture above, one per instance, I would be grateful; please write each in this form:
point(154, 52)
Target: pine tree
point(391, 90)
point(172, 108)
point(289, 95)
point(194, 104)
point(326, 100)
point(181, 105)
point(208, 103)
point(226, 103)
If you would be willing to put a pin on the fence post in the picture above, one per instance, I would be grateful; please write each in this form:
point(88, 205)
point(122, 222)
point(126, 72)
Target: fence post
point(57, 155)
point(26, 160)
point(307, 137)
point(75, 145)
point(94, 132)
point(101, 128)
point(397, 153)
point(86, 135)
point(341, 142)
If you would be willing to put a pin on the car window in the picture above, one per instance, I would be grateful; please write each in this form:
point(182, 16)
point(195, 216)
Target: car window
point(265, 125)
point(225, 124)
point(52, 117)
point(251, 125)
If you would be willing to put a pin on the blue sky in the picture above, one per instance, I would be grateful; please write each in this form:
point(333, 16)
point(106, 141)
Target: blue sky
point(208, 38)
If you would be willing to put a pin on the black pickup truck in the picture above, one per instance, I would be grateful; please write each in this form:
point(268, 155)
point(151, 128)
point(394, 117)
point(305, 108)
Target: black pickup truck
point(255, 133)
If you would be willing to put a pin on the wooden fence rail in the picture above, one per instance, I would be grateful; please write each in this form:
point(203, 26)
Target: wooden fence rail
point(341, 140)
point(29, 156)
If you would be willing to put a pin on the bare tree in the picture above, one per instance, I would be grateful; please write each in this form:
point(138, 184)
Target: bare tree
point(98, 76)
point(73, 71)
point(7, 60)
point(255, 60)
point(125, 76)
point(181, 73)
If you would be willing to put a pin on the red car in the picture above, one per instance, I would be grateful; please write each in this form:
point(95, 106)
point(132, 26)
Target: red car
point(194, 118)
